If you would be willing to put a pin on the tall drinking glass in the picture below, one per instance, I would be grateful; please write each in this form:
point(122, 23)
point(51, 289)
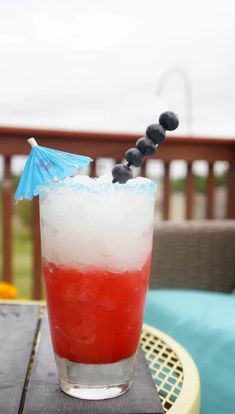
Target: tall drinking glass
point(96, 247)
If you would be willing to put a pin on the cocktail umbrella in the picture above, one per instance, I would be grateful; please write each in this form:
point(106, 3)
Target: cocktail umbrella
point(44, 165)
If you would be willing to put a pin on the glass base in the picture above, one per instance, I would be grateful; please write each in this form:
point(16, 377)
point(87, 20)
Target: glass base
point(95, 381)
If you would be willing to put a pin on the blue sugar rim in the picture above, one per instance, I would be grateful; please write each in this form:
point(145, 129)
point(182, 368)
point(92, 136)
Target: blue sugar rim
point(97, 187)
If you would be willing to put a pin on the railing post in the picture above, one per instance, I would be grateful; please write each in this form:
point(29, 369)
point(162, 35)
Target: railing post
point(143, 169)
point(6, 220)
point(231, 191)
point(37, 266)
point(210, 191)
point(93, 168)
point(189, 191)
point(166, 190)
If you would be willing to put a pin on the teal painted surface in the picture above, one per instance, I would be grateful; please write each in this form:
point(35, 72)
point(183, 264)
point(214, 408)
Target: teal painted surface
point(204, 323)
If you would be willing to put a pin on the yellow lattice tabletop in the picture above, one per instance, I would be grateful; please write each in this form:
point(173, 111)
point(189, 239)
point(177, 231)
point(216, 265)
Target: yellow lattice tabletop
point(173, 370)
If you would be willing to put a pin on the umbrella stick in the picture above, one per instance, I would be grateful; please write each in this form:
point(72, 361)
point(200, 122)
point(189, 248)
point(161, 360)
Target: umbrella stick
point(32, 142)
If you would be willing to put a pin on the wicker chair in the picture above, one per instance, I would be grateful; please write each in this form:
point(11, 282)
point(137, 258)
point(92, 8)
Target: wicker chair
point(194, 255)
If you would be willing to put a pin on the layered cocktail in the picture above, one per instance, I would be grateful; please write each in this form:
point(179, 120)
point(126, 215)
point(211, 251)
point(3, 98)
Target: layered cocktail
point(96, 246)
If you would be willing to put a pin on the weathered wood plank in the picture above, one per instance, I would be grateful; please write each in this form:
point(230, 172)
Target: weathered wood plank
point(189, 191)
point(37, 267)
point(44, 395)
point(210, 190)
point(7, 220)
point(18, 325)
point(166, 190)
point(93, 169)
point(231, 194)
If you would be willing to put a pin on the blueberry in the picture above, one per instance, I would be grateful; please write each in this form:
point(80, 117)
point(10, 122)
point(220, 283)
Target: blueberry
point(169, 120)
point(156, 133)
point(134, 157)
point(121, 173)
point(146, 146)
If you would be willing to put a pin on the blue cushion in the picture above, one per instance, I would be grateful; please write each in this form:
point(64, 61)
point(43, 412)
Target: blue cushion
point(204, 323)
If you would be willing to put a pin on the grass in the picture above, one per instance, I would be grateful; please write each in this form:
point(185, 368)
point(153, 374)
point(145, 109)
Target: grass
point(22, 261)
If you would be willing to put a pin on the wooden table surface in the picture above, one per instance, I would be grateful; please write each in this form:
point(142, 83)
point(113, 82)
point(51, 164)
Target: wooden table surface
point(28, 382)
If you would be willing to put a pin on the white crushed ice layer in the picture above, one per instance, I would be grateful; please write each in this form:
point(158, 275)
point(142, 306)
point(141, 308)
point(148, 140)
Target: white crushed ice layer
point(89, 222)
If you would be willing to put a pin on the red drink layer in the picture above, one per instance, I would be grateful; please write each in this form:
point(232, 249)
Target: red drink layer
point(95, 315)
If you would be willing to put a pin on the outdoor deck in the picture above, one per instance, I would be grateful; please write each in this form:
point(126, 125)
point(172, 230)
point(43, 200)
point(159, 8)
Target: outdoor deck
point(112, 145)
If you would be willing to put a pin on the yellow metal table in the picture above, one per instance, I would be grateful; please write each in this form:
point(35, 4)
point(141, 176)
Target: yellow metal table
point(173, 370)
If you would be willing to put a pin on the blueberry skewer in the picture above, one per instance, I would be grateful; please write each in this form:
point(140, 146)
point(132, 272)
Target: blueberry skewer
point(155, 134)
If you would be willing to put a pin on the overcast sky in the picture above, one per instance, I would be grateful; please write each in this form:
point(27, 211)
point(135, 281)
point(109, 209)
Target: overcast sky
point(97, 64)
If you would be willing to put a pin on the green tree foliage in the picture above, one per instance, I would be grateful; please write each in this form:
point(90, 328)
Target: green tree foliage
point(199, 183)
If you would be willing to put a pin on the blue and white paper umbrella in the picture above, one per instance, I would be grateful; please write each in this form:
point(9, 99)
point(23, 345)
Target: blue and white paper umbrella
point(44, 165)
